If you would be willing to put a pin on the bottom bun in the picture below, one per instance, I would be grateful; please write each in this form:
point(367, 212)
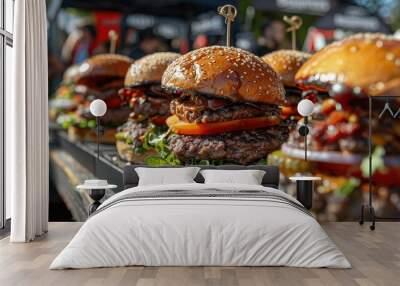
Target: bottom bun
point(89, 135)
point(126, 152)
point(322, 156)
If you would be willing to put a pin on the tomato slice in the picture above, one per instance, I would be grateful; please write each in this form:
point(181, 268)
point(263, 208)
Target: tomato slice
point(337, 116)
point(127, 93)
point(158, 120)
point(185, 128)
point(328, 106)
point(289, 110)
point(113, 102)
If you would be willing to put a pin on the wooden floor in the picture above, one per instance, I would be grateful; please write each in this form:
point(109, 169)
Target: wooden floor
point(375, 257)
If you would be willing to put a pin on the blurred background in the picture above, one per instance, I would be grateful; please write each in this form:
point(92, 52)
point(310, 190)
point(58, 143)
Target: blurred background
point(80, 29)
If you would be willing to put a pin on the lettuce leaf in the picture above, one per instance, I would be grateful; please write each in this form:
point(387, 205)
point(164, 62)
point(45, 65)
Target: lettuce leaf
point(346, 189)
point(66, 120)
point(70, 119)
point(156, 138)
point(204, 162)
point(378, 163)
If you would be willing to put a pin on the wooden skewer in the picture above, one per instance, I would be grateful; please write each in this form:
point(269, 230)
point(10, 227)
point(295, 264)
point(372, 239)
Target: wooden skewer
point(295, 23)
point(229, 12)
point(113, 41)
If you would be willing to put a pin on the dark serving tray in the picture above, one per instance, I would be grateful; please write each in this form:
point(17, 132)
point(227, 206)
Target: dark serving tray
point(109, 166)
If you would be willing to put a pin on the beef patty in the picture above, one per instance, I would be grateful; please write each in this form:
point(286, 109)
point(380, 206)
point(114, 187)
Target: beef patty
point(133, 132)
point(148, 106)
point(242, 147)
point(112, 118)
point(147, 101)
point(293, 96)
point(200, 109)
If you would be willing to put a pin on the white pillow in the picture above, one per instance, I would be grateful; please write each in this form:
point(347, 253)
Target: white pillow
point(248, 177)
point(166, 176)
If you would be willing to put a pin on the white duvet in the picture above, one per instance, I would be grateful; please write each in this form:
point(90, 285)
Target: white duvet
point(200, 231)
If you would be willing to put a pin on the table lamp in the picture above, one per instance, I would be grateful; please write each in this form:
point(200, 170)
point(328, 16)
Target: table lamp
point(98, 108)
point(305, 183)
point(96, 187)
point(305, 109)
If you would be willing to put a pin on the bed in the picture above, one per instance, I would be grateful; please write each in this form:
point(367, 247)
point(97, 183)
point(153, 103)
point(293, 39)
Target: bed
point(197, 224)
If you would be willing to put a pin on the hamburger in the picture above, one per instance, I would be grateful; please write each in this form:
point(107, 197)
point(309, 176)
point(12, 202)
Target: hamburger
point(65, 99)
point(99, 77)
point(350, 70)
point(286, 63)
point(227, 106)
point(148, 105)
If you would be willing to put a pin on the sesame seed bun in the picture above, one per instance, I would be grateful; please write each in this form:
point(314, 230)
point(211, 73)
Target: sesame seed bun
point(149, 69)
point(126, 152)
point(71, 74)
point(102, 67)
point(370, 62)
point(77, 134)
point(225, 72)
point(286, 63)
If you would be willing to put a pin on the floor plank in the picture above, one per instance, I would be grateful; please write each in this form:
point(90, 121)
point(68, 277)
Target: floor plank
point(375, 257)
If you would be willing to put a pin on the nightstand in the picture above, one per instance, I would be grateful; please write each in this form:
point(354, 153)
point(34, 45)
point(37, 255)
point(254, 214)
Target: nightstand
point(305, 188)
point(96, 190)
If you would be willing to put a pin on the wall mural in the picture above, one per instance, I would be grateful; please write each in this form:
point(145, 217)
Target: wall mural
point(223, 105)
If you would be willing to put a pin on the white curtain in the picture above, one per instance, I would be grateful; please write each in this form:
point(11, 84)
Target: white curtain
point(27, 123)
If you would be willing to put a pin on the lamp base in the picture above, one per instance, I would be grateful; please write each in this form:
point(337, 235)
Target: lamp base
point(305, 192)
point(304, 130)
point(96, 195)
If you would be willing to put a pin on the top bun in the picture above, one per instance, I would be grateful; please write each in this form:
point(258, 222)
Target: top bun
point(370, 62)
point(286, 63)
point(149, 69)
point(226, 72)
point(102, 67)
point(71, 74)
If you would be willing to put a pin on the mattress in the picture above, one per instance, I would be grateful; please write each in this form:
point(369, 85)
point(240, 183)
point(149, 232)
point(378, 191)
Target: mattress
point(201, 225)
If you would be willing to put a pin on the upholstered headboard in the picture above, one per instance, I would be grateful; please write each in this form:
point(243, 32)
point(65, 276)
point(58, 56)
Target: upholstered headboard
point(271, 178)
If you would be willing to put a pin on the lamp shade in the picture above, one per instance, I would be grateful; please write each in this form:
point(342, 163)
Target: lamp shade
point(305, 107)
point(98, 108)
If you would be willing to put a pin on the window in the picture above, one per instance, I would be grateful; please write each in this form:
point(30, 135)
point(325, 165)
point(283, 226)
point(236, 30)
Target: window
point(9, 15)
point(6, 43)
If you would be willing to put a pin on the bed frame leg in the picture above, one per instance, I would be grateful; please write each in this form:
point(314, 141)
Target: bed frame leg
point(362, 215)
point(371, 213)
